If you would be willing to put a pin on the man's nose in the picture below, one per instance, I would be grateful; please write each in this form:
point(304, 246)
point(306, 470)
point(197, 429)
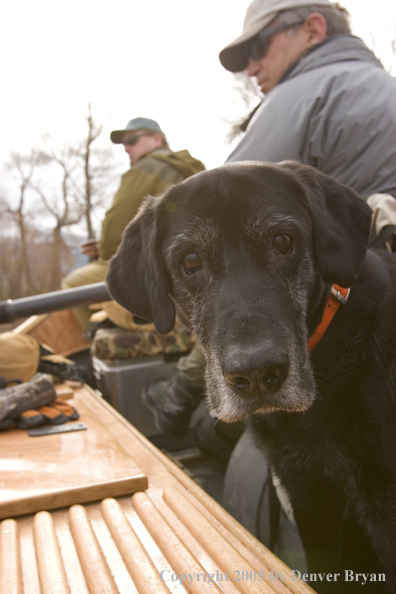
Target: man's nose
point(253, 67)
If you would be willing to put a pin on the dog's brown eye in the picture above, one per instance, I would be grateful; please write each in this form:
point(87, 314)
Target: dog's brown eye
point(191, 263)
point(283, 244)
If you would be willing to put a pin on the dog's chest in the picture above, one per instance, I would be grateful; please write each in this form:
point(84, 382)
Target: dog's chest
point(297, 443)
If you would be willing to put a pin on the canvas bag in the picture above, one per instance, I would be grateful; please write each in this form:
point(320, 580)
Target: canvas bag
point(19, 356)
point(383, 224)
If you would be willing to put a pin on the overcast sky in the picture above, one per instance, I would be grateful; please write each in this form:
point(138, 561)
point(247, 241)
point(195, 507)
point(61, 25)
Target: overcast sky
point(131, 58)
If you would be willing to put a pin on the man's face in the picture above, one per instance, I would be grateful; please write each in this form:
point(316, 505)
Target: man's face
point(284, 49)
point(145, 143)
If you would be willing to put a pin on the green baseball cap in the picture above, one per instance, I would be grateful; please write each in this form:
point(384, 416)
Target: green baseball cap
point(258, 15)
point(135, 124)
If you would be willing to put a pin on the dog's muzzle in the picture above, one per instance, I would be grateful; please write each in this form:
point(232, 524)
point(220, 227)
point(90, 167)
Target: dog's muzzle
point(255, 372)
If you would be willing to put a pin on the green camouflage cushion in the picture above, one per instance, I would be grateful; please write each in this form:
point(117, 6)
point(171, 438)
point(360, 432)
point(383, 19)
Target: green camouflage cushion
point(126, 344)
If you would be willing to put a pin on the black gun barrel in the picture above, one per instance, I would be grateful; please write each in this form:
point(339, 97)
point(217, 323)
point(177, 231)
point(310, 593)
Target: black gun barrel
point(12, 309)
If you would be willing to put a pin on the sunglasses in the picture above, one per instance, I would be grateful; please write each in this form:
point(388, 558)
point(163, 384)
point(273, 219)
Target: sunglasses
point(131, 140)
point(259, 45)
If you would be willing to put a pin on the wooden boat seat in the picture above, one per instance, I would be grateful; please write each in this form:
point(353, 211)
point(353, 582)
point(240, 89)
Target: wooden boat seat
point(59, 331)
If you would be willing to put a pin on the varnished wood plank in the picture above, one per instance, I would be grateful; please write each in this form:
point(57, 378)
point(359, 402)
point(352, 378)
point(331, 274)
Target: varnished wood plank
point(174, 550)
point(59, 470)
point(66, 497)
point(51, 571)
point(64, 391)
point(61, 332)
point(71, 562)
point(228, 558)
point(10, 559)
point(31, 582)
point(29, 324)
point(139, 564)
point(112, 555)
point(93, 562)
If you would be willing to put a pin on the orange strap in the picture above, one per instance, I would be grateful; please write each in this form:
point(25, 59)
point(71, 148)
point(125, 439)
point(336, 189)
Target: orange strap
point(337, 297)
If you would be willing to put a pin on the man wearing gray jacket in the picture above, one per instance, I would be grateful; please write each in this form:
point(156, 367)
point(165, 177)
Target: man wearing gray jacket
point(328, 103)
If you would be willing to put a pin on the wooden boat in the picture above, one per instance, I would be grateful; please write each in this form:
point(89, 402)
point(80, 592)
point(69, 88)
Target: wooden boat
point(103, 511)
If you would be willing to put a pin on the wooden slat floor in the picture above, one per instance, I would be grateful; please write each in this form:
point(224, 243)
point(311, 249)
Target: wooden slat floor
point(172, 537)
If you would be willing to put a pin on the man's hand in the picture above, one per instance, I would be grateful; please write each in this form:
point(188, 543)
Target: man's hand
point(90, 248)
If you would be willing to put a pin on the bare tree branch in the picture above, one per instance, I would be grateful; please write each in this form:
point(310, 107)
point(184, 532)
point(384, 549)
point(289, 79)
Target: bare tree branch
point(250, 96)
point(22, 168)
point(69, 183)
point(384, 46)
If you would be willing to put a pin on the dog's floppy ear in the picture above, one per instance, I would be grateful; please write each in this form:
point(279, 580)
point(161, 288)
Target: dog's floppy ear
point(137, 278)
point(342, 221)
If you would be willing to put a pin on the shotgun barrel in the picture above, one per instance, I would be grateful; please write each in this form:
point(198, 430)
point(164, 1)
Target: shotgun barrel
point(12, 309)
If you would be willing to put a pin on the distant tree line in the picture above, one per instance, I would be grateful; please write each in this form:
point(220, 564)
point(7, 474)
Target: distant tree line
point(60, 186)
point(67, 184)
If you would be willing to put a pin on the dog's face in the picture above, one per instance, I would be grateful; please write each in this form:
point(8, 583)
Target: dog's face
point(244, 253)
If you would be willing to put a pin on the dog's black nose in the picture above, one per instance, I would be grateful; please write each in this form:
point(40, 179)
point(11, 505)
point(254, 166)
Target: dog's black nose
point(256, 372)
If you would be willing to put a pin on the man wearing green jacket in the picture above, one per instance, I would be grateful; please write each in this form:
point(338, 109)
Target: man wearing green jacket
point(154, 167)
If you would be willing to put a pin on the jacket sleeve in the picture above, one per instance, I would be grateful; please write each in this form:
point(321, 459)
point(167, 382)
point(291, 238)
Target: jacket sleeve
point(136, 184)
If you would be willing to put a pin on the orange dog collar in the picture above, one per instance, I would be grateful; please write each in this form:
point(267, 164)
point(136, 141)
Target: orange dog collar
point(338, 296)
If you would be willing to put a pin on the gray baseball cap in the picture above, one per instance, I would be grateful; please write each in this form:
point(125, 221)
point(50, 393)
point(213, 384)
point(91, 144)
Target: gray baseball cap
point(258, 15)
point(135, 124)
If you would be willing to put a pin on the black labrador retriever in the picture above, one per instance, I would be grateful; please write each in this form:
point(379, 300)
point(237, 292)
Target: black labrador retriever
point(246, 255)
